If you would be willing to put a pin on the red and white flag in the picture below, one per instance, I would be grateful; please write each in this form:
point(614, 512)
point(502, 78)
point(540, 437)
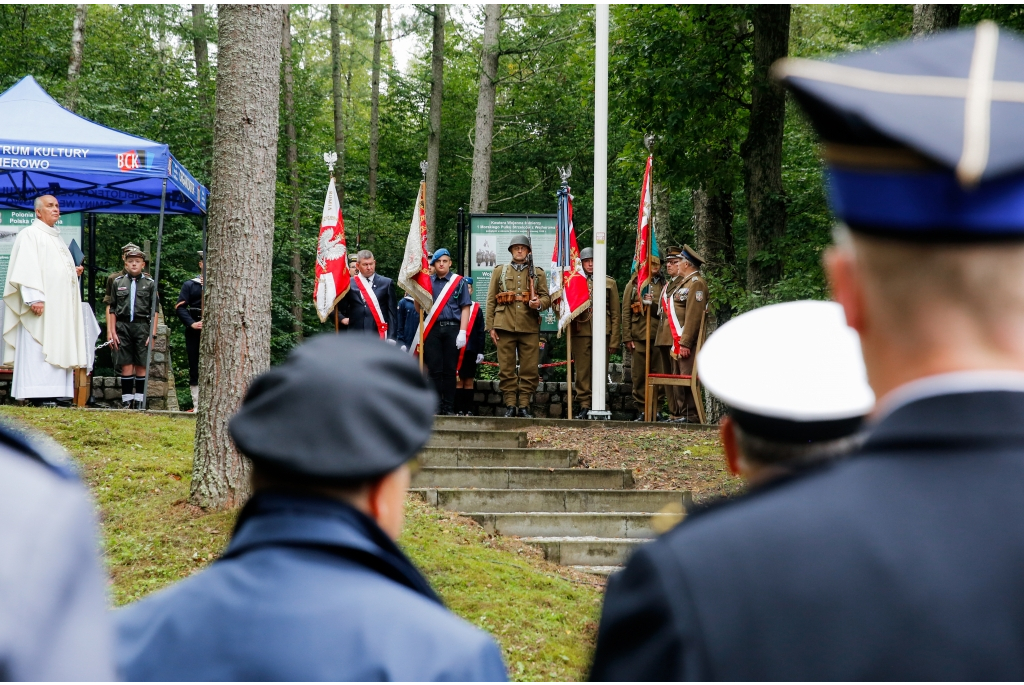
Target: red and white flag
point(332, 277)
point(675, 326)
point(414, 276)
point(568, 282)
point(644, 241)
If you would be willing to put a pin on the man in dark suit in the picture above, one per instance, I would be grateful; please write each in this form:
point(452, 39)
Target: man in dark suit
point(903, 561)
point(355, 309)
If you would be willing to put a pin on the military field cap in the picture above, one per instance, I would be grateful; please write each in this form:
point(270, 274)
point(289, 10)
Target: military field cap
point(790, 372)
point(440, 253)
point(520, 240)
point(692, 256)
point(673, 252)
point(655, 259)
point(313, 417)
point(134, 252)
point(922, 138)
point(129, 246)
point(587, 253)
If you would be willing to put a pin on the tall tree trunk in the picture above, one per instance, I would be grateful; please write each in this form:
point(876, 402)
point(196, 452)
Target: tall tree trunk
point(202, 55)
point(375, 104)
point(712, 229)
point(293, 171)
point(481, 183)
point(660, 201)
point(762, 150)
point(932, 18)
point(75, 63)
point(235, 345)
point(434, 137)
point(339, 115)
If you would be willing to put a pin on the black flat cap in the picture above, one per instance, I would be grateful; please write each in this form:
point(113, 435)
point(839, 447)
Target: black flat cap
point(342, 407)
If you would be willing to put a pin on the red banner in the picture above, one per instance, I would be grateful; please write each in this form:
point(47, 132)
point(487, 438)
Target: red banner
point(332, 279)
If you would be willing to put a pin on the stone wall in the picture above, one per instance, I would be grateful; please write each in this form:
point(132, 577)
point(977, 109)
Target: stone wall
point(550, 399)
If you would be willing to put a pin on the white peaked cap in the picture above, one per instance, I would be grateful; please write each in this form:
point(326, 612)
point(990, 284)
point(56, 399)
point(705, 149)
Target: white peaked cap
point(796, 362)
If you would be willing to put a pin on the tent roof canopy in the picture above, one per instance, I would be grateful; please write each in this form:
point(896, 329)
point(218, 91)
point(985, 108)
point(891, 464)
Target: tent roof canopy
point(44, 148)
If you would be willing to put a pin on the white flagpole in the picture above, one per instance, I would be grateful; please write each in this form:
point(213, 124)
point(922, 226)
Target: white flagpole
point(600, 343)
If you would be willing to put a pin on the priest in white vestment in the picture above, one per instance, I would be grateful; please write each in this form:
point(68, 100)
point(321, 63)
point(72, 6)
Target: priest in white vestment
point(43, 325)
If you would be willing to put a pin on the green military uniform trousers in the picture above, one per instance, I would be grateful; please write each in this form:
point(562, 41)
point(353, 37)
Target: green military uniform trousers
point(583, 368)
point(517, 388)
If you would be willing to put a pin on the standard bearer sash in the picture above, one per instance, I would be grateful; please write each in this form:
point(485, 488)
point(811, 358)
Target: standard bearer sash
point(370, 298)
point(435, 310)
point(674, 327)
point(474, 309)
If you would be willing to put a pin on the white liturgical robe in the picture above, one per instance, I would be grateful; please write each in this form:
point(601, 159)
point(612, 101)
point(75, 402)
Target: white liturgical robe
point(44, 349)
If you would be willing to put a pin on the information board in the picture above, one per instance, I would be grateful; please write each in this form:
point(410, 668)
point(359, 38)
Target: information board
point(13, 220)
point(489, 236)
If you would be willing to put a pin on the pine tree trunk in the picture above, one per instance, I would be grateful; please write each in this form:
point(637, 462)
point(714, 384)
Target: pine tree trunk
point(375, 104)
point(339, 115)
point(235, 345)
point(931, 18)
point(762, 150)
point(434, 137)
point(481, 182)
point(202, 55)
point(293, 171)
point(75, 62)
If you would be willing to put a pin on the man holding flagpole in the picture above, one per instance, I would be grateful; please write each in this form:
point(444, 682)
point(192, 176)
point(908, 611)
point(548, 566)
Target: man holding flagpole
point(446, 328)
point(370, 306)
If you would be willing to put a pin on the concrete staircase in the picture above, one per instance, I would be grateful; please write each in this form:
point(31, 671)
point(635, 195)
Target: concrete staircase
point(590, 519)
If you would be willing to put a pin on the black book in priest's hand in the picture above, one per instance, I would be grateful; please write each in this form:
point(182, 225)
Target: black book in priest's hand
point(76, 252)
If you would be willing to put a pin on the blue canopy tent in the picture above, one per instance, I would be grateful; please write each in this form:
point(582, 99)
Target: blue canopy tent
point(88, 167)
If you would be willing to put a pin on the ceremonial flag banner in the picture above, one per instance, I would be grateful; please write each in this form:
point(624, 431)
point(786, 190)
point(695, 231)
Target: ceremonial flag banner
point(570, 284)
point(414, 277)
point(646, 244)
point(332, 277)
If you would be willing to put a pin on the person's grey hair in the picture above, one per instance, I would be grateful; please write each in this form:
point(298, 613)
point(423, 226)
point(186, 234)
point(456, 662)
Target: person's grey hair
point(38, 204)
point(364, 254)
point(773, 452)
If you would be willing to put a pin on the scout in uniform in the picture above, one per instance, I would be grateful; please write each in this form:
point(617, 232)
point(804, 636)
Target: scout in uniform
point(635, 306)
point(446, 328)
point(312, 585)
point(133, 302)
point(190, 310)
point(108, 290)
point(902, 562)
point(582, 333)
point(514, 303)
point(683, 303)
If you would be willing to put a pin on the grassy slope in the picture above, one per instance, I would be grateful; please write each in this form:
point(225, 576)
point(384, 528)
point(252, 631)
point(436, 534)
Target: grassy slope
point(139, 467)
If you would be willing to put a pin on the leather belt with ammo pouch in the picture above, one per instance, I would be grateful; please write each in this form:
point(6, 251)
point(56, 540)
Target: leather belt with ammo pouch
point(507, 297)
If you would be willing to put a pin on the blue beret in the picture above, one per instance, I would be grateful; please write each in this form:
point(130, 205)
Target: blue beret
point(922, 138)
point(440, 253)
point(312, 417)
point(468, 280)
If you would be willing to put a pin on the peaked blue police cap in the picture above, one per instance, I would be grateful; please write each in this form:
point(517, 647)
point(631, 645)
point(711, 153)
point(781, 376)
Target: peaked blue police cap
point(923, 138)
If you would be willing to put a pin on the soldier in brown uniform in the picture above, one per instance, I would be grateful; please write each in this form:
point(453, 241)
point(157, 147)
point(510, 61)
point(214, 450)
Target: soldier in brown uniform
point(513, 318)
point(635, 306)
point(688, 294)
point(583, 336)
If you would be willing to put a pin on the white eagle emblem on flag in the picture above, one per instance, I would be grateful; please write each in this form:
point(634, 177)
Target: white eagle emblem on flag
point(330, 247)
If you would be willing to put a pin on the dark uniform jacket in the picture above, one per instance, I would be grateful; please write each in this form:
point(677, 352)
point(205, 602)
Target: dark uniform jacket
point(516, 315)
point(358, 313)
point(583, 324)
point(308, 589)
point(477, 340)
point(689, 296)
point(190, 303)
point(903, 562)
point(408, 321)
point(145, 291)
point(634, 318)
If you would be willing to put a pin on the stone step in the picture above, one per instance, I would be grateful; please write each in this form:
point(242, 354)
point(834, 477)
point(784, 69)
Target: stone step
point(509, 501)
point(498, 456)
point(444, 437)
point(518, 478)
point(501, 423)
point(597, 570)
point(585, 551)
point(546, 524)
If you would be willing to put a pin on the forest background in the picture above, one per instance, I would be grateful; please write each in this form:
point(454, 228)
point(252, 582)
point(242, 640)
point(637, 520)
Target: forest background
point(692, 75)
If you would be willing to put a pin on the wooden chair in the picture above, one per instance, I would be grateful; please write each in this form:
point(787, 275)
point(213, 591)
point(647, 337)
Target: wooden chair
point(691, 381)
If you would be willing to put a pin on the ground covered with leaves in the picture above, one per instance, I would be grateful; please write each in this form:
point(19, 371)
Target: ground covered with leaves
point(662, 458)
point(138, 467)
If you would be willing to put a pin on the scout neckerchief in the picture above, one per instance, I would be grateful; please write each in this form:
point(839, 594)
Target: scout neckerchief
point(370, 298)
point(674, 327)
point(474, 309)
point(442, 299)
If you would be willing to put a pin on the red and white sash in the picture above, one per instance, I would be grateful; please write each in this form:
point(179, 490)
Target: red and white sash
point(442, 299)
point(474, 309)
point(370, 298)
point(674, 327)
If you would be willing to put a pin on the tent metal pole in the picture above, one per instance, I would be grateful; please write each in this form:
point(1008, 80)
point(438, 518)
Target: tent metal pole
point(93, 266)
point(156, 289)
